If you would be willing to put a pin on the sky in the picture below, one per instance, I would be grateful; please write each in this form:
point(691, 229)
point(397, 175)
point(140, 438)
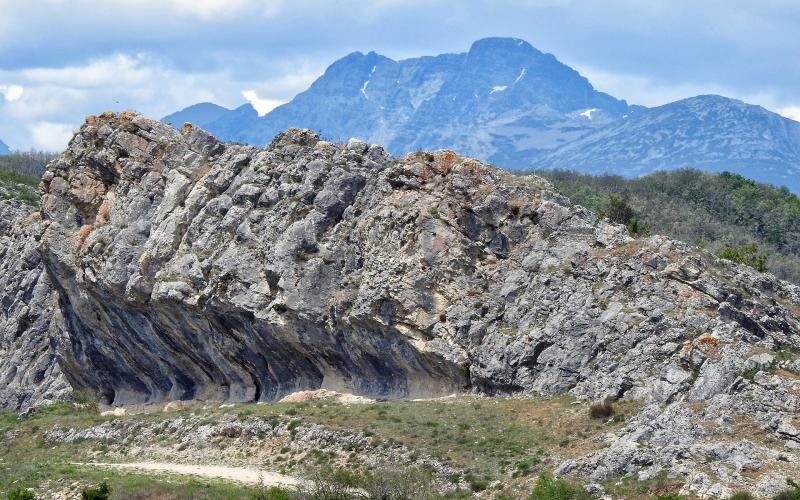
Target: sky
point(61, 60)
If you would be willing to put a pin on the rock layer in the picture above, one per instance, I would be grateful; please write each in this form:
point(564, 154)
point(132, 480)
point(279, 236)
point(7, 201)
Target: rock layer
point(29, 374)
point(188, 268)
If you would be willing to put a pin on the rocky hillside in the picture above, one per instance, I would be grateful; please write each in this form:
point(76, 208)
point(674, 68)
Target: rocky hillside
point(186, 268)
point(711, 210)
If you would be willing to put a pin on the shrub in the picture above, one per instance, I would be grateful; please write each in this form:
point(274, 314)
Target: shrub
point(601, 409)
point(382, 484)
point(397, 485)
point(273, 493)
point(618, 210)
point(476, 483)
point(793, 493)
point(100, 492)
point(637, 227)
point(20, 494)
point(330, 484)
point(549, 488)
point(747, 254)
point(669, 496)
point(741, 495)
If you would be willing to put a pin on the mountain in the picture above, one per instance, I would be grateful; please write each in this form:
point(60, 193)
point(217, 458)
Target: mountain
point(503, 101)
point(166, 265)
point(508, 103)
point(203, 115)
point(708, 132)
point(4, 150)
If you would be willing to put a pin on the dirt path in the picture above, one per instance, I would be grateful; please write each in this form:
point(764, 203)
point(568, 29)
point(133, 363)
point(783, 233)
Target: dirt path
point(249, 476)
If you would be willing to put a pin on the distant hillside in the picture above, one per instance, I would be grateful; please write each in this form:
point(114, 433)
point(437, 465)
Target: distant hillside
point(203, 115)
point(709, 132)
point(709, 209)
point(31, 163)
point(4, 150)
point(20, 174)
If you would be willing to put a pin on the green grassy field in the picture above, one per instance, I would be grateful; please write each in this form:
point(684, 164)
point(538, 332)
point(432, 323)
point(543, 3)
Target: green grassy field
point(502, 445)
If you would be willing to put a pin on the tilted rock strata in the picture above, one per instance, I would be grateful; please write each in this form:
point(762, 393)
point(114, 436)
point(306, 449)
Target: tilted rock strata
point(188, 268)
point(29, 374)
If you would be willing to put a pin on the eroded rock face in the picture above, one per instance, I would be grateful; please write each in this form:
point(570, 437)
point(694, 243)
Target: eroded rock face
point(29, 374)
point(188, 268)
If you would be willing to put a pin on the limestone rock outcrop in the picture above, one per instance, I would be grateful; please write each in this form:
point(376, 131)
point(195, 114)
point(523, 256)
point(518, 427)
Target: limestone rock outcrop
point(179, 267)
point(188, 268)
point(29, 374)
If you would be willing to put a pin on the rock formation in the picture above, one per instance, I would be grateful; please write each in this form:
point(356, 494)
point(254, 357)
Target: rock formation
point(29, 375)
point(190, 269)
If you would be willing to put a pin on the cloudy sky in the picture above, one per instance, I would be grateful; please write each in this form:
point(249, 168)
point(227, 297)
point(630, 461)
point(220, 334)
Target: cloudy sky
point(63, 59)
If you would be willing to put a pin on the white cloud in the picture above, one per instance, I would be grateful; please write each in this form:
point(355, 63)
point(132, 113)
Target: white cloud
point(11, 92)
point(208, 8)
point(51, 136)
point(640, 89)
point(140, 82)
point(792, 112)
point(263, 106)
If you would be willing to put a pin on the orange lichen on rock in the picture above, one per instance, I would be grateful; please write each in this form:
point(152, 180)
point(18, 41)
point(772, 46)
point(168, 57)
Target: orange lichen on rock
point(83, 233)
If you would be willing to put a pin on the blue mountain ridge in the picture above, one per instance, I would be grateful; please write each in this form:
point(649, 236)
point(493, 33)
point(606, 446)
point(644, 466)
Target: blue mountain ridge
point(507, 103)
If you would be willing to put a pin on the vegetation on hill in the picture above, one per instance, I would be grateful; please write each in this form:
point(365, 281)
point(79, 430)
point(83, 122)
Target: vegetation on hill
point(499, 448)
point(737, 218)
point(20, 174)
point(31, 163)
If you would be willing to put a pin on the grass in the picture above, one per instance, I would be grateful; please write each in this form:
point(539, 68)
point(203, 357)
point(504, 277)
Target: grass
point(21, 187)
point(631, 488)
point(490, 438)
point(507, 439)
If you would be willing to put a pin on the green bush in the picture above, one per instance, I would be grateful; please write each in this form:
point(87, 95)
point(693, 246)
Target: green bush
point(20, 494)
point(100, 492)
point(549, 488)
point(273, 493)
point(746, 254)
point(741, 495)
point(669, 496)
point(638, 227)
point(618, 210)
point(793, 493)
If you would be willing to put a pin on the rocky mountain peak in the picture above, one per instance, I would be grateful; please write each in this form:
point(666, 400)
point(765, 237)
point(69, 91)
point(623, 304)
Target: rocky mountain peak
point(502, 47)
